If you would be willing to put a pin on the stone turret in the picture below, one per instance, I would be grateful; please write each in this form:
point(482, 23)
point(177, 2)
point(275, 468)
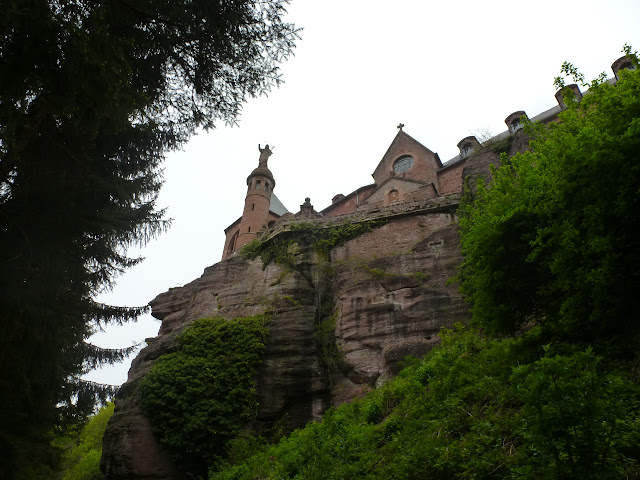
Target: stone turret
point(255, 216)
point(261, 207)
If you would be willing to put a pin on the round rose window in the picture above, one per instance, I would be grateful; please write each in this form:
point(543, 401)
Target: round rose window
point(403, 164)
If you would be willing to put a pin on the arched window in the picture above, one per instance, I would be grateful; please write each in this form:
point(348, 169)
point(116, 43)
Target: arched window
point(628, 66)
point(232, 243)
point(394, 196)
point(403, 164)
point(515, 126)
point(514, 121)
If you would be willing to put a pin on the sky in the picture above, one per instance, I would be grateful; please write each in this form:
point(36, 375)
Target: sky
point(445, 70)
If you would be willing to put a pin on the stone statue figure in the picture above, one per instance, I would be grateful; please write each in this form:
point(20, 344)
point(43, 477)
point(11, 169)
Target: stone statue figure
point(265, 153)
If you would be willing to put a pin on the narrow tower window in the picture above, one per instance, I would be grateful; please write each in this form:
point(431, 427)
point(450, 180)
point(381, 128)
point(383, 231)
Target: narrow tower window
point(253, 206)
point(258, 184)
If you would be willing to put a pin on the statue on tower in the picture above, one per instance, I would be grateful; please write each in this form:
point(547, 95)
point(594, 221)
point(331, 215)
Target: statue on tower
point(265, 153)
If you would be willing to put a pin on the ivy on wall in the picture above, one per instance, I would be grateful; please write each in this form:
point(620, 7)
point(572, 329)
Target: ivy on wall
point(322, 237)
point(201, 396)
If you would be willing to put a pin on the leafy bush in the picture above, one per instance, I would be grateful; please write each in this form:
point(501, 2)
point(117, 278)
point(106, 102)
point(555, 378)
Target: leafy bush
point(202, 395)
point(82, 461)
point(554, 236)
point(473, 408)
point(577, 421)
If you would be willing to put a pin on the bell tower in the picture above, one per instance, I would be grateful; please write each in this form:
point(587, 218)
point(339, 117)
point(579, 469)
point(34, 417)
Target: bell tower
point(260, 184)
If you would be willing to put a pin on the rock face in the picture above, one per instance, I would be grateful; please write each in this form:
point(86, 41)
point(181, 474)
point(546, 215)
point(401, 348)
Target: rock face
point(392, 296)
point(386, 291)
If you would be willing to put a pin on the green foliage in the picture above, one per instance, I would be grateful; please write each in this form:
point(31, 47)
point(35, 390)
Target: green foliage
point(322, 237)
point(374, 272)
point(92, 95)
point(325, 337)
point(553, 237)
point(380, 274)
point(473, 408)
point(201, 396)
point(277, 250)
point(421, 277)
point(338, 234)
point(82, 461)
point(500, 146)
point(577, 420)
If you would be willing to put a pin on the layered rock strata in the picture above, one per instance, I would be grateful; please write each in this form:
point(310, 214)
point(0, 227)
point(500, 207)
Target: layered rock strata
point(385, 290)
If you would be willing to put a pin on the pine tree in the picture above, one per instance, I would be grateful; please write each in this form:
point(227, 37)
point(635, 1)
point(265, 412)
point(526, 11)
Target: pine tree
point(92, 95)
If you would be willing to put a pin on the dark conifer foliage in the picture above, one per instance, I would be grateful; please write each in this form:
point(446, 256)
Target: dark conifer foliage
point(92, 94)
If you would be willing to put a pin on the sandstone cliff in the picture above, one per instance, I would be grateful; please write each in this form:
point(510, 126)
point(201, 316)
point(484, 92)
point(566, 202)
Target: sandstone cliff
point(383, 292)
point(341, 325)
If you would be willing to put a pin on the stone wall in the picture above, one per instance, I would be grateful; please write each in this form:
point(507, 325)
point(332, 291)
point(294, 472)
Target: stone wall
point(478, 165)
point(450, 179)
point(428, 204)
point(350, 203)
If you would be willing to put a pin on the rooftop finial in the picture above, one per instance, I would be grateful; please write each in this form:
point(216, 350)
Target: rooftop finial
point(400, 125)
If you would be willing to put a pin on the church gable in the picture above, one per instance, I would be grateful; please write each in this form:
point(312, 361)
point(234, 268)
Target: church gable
point(408, 158)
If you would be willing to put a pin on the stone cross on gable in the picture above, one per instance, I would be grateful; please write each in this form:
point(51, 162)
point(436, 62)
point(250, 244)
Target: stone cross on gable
point(400, 125)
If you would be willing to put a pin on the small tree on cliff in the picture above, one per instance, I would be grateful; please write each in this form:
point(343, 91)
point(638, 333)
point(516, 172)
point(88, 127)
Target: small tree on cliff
point(553, 238)
point(92, 94)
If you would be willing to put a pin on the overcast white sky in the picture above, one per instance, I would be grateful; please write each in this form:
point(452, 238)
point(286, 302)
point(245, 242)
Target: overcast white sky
point(444, 69)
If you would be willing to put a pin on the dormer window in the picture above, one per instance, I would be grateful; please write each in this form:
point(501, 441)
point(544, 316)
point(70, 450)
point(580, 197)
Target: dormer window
point(468, 145)
point(514, 121)
point(623, 63)
point(403, 164)
point(565, 92)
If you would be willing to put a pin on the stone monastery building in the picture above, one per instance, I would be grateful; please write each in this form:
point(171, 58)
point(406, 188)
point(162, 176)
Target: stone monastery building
point(409, 177)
